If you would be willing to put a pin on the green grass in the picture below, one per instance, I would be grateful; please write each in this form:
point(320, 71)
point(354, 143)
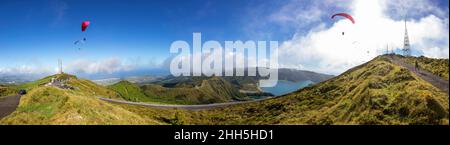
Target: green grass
point(50, 105)
point(438, 67)
point(79, 105)
point(130, 92)
point(91, 89)
point(7, 91)
point(212, 90)
point(34, 84)
point(377, 92)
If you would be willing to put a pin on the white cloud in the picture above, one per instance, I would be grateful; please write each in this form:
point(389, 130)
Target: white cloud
point(28, 67)
point(412, 8)
point(109, 66)
point(299, 14)
point(240, 60)
point(325, 50)
point(24, 70)
point(291, 14)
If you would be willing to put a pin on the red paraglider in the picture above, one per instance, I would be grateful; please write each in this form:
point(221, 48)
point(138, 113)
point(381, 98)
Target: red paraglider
point(344, 15)
point(349, 17)
point(84, 25)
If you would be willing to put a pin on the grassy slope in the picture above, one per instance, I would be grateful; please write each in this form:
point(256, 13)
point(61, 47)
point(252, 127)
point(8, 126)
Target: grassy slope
point(52, 105)
point(217, 86)
point(211, 90)
point(377, 92)
point(130, 92)
point(80, 105)
point(242, 83)
point(438, 67)
point(7, 91)
point(174, 95)
point(88, 88)
point(34, 84)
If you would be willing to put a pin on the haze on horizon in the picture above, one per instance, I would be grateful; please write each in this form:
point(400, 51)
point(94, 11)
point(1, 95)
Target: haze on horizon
point(127, 36)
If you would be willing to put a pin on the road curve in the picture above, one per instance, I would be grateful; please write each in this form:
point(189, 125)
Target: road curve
point(186, 107)
point(434, 80)
point(8, 105)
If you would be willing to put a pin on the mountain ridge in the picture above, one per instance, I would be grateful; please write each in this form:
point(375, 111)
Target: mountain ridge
point(203, 91)
point(377, 92)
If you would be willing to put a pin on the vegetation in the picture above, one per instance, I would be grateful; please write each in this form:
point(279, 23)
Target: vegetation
point(377, 92)
point(34, 84)
point(245, 83)
point(300, 75)
point(197, 91)
point(130, 92)
point(213, 90)
point(89, 88)
point(53, 105)
point(7, 90)
point(438, 67)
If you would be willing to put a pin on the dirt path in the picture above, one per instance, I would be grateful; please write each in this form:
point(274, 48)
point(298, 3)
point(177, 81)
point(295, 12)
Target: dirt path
point(8, 105)
point(436, 81)
point(187, 107)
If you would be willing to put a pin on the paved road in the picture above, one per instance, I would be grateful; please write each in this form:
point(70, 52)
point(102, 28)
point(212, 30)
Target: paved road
point(187, 107)
point(435, 80)
point(8, 105)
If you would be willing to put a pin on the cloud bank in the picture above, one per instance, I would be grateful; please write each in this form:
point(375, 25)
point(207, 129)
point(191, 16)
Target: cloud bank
point(317, 43)
point(81, 66)
point(324, 49)
point(108, 66)
point(25, 70)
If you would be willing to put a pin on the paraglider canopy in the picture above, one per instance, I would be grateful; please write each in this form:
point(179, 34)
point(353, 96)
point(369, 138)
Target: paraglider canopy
point(345, 15)
point(84, 25)
point(349, 17)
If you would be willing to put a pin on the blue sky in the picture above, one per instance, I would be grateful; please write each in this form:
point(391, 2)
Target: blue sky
point(41, 31)
point(47, 29)
point(138, 33)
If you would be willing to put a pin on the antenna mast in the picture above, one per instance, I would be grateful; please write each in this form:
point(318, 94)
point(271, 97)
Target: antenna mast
point(387, 48)
point(406, 45)
point(60, 66)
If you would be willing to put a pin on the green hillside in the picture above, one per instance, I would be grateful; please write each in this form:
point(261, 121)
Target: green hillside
point(244, 83)
point(130, 92)
point(217, 86)
point(378, 92)
point(77, 85)
point(7, 90)
point(438, 67)
point(78, 102)
point(75, 105)
point(89, 88)
point(213, 90)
